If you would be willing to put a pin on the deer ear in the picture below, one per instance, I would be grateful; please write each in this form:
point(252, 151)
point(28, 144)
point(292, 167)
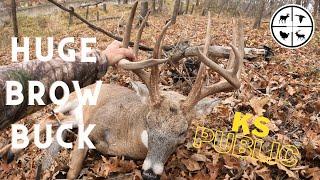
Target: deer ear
point(141, 90)
point(205, 106)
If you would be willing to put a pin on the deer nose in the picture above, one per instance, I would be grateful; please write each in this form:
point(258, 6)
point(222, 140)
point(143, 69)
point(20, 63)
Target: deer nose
point(150, 175)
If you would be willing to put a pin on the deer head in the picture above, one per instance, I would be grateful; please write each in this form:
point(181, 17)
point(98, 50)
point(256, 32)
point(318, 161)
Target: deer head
point(170, 113)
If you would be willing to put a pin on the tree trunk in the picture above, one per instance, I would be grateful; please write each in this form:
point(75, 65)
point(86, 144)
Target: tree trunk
point(205, 8)
point(258, 19)
point(104, 7)
point(98, 18)
point(125, 1)
point(222, 6)
point(306, 3)
point(143, 11)
point(87, 12)
point(197, 3)
point(14, 18)
point(187, 6)
point(175, 11)
point(71, 16)
point(316, 8)
point(47, 73)
point(272, 4)
point(181, 8)
point(153, 6)
point(192, 8)
point(161, 5)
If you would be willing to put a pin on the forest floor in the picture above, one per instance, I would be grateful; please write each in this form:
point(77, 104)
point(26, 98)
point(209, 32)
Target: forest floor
point(285, 89)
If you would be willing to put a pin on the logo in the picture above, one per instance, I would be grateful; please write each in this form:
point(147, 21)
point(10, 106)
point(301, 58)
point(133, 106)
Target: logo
point(248, 144)
point(292, 26)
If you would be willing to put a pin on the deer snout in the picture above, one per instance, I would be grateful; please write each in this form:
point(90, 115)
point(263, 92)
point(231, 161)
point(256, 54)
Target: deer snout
point(151, 170)
point(150, 175)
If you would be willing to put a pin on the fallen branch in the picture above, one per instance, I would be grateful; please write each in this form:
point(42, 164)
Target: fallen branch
point(91, 4)
point(214, 51)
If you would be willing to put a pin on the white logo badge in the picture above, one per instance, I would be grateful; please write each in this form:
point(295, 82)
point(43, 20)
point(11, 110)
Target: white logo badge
point(292, 26)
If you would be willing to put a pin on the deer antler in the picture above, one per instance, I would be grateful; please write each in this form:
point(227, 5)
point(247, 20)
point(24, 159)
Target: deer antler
point(154, 79)
point(151, 81)
point(231, 74)
point(196, 88)
point(139, 34)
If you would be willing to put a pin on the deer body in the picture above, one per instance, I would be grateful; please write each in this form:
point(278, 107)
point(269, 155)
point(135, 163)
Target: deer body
point(119, 120)
point(127, 126)
point(119, 117)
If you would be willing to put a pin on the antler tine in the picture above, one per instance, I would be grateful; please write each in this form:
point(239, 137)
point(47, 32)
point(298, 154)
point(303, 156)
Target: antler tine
point(127, 34)
point(125, 64)
point(235, 56)
point(137, 67)
point(143, 75)
point(139, 34)
point(230, 76)
point(154, 79)
point(234, 66)
point(231, 73)
point(196, 88)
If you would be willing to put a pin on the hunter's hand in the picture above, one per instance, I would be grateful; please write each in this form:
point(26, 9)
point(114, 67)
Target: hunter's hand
point(115, 53)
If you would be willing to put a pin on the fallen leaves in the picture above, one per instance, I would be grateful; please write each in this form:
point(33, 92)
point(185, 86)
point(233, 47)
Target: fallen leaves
point(199, 157)
point(288, 172)
point(113, 165)
point(258, 103)
point(191, 165)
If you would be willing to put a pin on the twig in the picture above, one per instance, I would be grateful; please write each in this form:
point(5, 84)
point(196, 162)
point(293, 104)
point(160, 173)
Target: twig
point(94, 27)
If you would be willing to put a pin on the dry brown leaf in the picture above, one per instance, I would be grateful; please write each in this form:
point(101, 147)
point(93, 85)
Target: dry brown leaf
point(199, 157)
point(313, 172)
point(257, 104)
point(291, 91)
point(264, 173)
point(231, 161)
point(200, 176)
point(191, 165)
point(288, 172)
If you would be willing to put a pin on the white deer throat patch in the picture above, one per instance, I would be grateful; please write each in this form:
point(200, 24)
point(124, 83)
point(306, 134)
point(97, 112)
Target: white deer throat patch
point(144, 138)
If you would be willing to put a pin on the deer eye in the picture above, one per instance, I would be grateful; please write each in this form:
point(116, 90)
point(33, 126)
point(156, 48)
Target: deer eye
point(182, 133)
point(173, 110)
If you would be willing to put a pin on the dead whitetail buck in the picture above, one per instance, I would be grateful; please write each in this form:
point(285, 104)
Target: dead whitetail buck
point(147, 123)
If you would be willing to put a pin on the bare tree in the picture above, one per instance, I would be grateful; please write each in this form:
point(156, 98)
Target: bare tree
point(175, 11)
point(181, 10)
point(14, 18)
point(161, 2)
point(153, 6)
point(197, 2)
point(187, 6)
point(316, 8)
point(143, 11)
point(258, 19)
point(205, 8)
